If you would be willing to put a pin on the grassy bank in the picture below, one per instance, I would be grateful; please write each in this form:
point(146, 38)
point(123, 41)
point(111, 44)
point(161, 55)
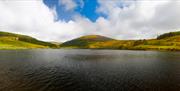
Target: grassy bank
point(17, 41)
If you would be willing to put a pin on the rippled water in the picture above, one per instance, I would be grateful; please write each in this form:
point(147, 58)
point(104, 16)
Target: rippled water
point(89, 70)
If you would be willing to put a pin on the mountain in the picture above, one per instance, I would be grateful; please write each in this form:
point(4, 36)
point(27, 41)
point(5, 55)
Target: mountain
point(85, 41)
point(95, 42)
point(167, 41)
point(17, 41)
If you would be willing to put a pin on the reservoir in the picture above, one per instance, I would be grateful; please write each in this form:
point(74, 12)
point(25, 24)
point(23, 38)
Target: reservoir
point(89, 70)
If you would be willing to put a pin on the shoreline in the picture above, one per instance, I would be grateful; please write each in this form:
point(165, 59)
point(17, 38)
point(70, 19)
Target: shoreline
point(160, 50)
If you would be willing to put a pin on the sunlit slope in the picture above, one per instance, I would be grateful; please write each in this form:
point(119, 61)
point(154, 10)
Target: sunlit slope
point(96, 42)
point(17, 41)
point(167, 42)
point(164, 43)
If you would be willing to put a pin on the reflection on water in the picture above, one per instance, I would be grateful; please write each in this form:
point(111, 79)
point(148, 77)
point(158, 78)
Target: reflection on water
point(89, 70)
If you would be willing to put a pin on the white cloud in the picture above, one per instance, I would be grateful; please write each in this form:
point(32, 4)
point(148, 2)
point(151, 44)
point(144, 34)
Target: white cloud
point(139, 19)
point(35, 19)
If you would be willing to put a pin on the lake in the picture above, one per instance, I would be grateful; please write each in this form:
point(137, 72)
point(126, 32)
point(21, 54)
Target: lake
point(89, 70)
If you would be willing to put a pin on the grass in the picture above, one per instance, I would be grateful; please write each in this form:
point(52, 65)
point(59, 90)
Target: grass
point(154, 47)
point(11, 43)
point(25, 38)
point(18, 41)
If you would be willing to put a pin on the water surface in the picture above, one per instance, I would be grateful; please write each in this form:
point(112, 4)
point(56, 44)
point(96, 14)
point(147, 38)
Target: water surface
point(89, 70)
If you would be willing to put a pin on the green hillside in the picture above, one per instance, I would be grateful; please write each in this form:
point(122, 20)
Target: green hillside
point(97, 42)
point(17, 41)
point(168, 41)
point(85, 41)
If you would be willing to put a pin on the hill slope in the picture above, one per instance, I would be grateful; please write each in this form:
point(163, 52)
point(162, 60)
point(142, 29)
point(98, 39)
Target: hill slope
point(95, 42)
point(166, 42)
point(17, 41)
point(85, 41)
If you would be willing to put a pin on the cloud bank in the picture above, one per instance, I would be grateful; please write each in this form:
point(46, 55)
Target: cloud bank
point(125, 19)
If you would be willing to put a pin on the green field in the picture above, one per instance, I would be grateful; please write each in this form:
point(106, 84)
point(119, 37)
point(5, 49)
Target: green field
point(17, 41)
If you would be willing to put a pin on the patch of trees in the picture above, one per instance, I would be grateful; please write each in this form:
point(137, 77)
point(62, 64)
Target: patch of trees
point(76, 42)
point(166, 35)
point(139, 42)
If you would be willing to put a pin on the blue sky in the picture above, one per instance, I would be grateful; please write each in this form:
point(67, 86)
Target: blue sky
point(85, 8)
point(62, 20)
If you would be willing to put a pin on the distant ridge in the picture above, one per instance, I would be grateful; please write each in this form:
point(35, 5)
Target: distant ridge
point(95, 38)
